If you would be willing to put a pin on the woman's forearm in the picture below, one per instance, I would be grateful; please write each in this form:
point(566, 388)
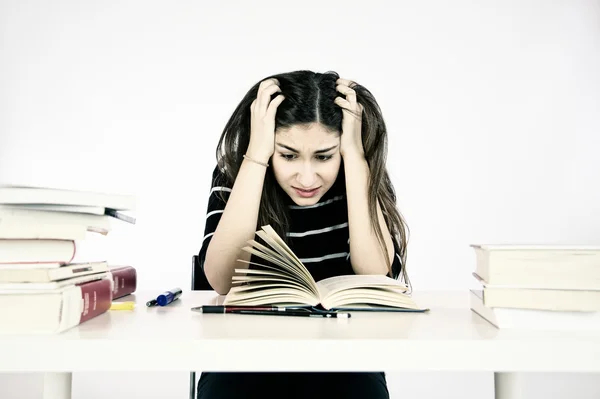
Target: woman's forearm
point(236, 227)
point(365, 252)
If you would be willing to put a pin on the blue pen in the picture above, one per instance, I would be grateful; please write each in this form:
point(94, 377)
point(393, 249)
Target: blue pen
point(169, 296)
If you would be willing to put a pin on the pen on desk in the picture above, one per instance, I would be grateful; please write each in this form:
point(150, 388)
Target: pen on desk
point(269, 310)
point(229, 309)
point(293, 313)
point(151, 303)
point(168, 296)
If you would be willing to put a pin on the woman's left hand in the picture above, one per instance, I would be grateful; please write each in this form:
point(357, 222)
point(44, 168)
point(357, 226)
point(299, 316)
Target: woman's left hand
point(351, 138)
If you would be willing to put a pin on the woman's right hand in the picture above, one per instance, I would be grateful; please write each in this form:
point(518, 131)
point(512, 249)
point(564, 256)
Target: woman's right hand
point(262, 121)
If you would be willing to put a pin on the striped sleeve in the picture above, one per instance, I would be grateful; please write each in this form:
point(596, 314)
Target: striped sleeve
point(217, 198)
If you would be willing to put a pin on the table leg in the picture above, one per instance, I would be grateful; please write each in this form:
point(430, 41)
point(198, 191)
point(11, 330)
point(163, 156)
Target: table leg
point(507, 386)
point(57, 385)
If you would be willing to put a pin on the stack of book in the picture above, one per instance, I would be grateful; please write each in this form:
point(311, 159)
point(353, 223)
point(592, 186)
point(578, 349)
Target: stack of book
point(44, 287)
point(554, 287)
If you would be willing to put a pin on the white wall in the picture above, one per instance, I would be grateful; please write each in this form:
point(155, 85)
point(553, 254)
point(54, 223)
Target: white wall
point(492, 109)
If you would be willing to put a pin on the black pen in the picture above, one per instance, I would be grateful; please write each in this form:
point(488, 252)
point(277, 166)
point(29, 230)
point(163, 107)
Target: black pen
point(292, 313)
point(269, 310)
point(229, 309)
point(151, 303)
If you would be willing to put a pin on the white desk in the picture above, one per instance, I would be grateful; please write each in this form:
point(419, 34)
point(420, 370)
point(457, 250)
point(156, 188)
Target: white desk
point(449, 337)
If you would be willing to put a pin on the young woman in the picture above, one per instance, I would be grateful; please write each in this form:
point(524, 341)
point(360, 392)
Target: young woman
point(304, 152)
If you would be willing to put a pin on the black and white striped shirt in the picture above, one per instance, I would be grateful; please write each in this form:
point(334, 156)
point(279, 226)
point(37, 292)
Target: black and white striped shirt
point(318, 234)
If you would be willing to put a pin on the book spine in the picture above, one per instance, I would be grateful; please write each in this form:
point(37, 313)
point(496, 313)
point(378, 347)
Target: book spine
point(124, 281)
point(97, 298)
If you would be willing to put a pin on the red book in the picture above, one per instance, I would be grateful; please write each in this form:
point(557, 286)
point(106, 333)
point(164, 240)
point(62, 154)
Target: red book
point(97, 298)
point(124, 280)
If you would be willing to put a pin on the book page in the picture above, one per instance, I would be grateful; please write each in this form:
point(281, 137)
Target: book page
point(271, 295)
point(286, 279)
point(264, 284)
point(284, 262)
point(277, 247)
point(272, 233)
point(270, 237)
point(258, 246)
point(290, 260)
point(278, 261)
point(272, 272)
point(364, 289)
point(338, 283)
point(369, 297)
point(282, 275)
point(262, 281)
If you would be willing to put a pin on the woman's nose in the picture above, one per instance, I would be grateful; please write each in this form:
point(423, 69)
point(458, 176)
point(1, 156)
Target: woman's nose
point(306, 177)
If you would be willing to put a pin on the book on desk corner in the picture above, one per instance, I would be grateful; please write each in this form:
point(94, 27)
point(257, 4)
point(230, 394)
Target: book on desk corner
point(285, 281)
point(55, 309)
point(533, 319)
point(537, 286)
point(541, 266)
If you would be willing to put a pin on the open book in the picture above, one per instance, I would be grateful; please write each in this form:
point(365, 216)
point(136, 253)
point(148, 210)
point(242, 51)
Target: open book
point(287, 283)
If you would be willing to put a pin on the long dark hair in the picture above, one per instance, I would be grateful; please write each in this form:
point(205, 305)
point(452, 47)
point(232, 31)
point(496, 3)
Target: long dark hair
point(309, 98)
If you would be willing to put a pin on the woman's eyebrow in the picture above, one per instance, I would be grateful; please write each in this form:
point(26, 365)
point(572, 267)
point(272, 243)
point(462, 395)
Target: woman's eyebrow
point(325, 149)
point(287, 147)
point(316, 152)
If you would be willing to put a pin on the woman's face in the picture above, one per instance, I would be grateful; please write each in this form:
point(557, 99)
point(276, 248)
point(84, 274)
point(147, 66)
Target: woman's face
point(306, 161)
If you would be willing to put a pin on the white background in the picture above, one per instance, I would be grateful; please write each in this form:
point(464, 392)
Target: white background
point(492, 109)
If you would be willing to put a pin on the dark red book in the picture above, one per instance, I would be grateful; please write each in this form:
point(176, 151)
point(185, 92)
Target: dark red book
point(97, 298)
point(124, 280)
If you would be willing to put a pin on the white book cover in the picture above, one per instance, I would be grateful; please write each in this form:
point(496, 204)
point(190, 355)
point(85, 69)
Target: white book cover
point(37, 251)
point(30, 288)
point(53, 196)
point(531, 319)
point(539, 286)
point(92, 210)
point(23, 223)
point(26, 276)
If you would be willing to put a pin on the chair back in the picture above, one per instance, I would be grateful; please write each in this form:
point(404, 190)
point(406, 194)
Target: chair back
point(199, 280)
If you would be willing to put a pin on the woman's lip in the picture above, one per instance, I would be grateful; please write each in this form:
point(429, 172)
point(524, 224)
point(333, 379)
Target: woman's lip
point(305, 190)
point(306, 194)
